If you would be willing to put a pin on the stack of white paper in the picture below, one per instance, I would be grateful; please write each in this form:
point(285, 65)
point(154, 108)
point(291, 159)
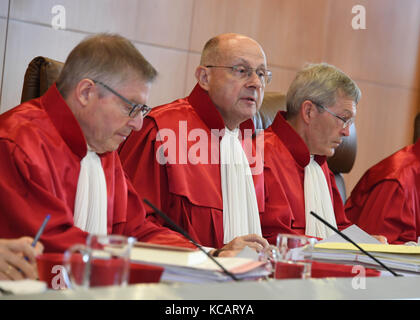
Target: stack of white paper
point(188, 265)
point(208, 271)
point(398, 257)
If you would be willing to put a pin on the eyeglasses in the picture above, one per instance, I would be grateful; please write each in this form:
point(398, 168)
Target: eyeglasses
point(243, 72)
point(346, 122)
point(135, 109)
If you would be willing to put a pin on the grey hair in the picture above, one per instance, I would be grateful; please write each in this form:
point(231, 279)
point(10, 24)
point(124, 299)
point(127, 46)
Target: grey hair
point(109, 58)
point(321, 83)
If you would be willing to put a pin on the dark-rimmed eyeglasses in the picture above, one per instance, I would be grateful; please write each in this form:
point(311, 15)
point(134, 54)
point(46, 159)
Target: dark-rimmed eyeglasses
point(136, 108)
point(243, 72)
point(346, 122)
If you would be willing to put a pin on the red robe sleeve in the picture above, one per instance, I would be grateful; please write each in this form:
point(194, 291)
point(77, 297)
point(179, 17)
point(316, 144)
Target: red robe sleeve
point(150, 180)
point(27, 196)
point(278, 215)
point(384, 211)
point(139, 154)
point(146, 228)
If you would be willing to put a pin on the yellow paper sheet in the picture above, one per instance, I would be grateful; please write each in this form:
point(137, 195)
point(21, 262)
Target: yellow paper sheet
point(388, 248)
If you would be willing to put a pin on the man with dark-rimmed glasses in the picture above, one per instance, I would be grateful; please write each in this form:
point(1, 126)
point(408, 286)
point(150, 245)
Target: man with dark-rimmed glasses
point(132, 109)
point(57, 152)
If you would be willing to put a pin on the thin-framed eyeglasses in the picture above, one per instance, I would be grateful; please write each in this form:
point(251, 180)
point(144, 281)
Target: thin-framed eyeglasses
point(346, 122)
point(242, 72)
point(136, 108)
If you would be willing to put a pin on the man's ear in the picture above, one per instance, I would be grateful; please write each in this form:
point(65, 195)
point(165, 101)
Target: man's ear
point(306, 111)
point(84, 91)
point(202, 75)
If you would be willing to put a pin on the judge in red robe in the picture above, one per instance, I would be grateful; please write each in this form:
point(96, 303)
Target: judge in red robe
point(183, 177)
point(386, 200)
point(43, 141)
point(189, 193)
point(321, 105)
point(285, 158)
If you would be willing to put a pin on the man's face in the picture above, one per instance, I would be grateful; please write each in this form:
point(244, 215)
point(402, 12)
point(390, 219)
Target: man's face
point(237, 97)
point(107, 122)
point(326, 131)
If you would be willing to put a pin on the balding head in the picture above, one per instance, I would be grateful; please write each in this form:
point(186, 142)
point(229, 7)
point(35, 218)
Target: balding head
point(216, 49)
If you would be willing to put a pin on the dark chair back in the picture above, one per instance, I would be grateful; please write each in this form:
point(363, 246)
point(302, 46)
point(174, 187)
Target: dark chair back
point(416, 128)
point(39, 76)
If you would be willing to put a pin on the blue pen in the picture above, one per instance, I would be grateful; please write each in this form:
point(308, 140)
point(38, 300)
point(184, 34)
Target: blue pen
point(41, 230)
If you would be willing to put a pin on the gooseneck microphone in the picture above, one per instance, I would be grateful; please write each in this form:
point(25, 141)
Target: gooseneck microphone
point(186, 235)
point(355, 244)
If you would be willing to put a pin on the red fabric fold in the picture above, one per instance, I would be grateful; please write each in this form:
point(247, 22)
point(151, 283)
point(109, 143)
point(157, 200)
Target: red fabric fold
point(324, 270)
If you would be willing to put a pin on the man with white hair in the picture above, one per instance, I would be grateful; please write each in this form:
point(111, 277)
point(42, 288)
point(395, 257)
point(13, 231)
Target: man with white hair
point(321, 107)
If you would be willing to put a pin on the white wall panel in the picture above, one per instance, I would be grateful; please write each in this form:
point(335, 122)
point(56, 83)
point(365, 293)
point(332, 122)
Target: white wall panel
point(25, 42)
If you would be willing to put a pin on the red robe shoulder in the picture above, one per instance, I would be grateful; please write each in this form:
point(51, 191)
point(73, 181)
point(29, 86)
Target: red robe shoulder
point(386, 200)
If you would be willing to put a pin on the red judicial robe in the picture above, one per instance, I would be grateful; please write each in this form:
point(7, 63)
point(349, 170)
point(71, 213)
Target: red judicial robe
point(41, 146)
point(285, 158)
point(186, 189)
point(386, 200)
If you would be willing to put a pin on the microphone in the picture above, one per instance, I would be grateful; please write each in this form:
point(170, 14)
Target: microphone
point(186, 235)
point(355, 244)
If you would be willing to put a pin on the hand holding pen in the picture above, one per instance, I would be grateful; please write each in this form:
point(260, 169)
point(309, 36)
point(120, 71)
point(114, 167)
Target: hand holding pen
point(18, 256)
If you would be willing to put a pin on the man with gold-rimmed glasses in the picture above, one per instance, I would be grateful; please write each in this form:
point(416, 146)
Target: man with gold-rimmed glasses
point(190, 157)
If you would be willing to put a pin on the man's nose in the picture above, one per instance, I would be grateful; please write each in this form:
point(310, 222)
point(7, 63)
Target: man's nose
point(254, 80)
point(346, 131)
point(136, 123)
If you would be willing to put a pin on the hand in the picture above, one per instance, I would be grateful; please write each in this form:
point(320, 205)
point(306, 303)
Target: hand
point(18, 258)
point(382, 239)
point(253, 241)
